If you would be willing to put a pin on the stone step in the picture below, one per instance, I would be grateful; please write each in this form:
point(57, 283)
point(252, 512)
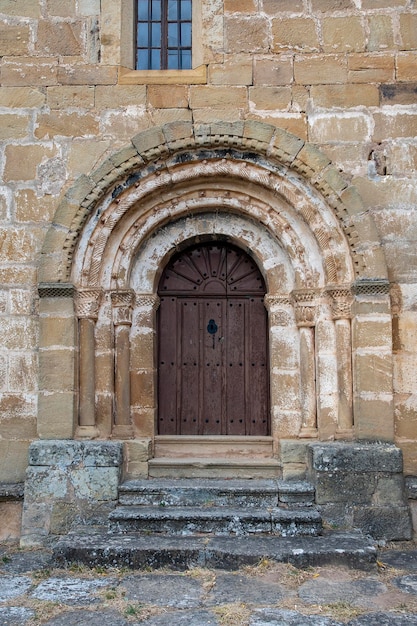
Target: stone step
point(207, 492)
point(204, 467)
point(230, 553)
point(219, 446)
point(222, 520)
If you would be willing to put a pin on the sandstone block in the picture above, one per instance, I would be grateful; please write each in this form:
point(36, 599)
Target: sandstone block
point(19, 333)
point(383, 4)
point(61, 8)
point(13, 126)
point(294, 34)
point(331, 5)
point(10, 520)
point(14, 40)
point(340, 127)
point(270, 6)
point(57, 332)
point(64, 97)
point(320, 70)
point(22, 161)
point(13, 460)
point(59, 38)
point(29, 71)
point(56, 415)
point(246, 34)
point(293, 451)
point(217, 96)
point(375, 417)
point(398, 94)
point(21, 97)
point(381, 33)
point(400, 125)
point(344, 486)
point(371, 333)
point(57, 370)
point(294, 123)
point(88, 7)
point(240, 6)
point(21, 8)
point(277, 71)
point(270, 98)
point(235, 72)
point(343, 34)
point(370, 68)
point(408, 31)
point(66, 125)
point(23, 373)
point(406, 66)
point(95, 483)
point(87, 75)
point(143, 388)
point(345, 96)
point(113, 97)
point(374, 372)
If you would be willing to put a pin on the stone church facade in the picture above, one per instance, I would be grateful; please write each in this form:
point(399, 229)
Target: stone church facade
point(287, 153)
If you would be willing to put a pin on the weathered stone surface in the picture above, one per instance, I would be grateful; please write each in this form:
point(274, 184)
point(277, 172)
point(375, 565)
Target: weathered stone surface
point(362, 457)
point(70, 590)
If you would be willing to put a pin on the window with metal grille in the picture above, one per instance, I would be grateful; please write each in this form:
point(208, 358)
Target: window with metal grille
point(163, 34)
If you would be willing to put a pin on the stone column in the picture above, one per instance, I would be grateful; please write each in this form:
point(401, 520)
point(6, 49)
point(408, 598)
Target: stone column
point(341, 301)
point(305, 315)
point(122, 321)
point(87, 303)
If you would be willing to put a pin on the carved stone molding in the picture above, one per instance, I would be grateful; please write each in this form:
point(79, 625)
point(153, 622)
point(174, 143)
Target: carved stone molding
point(122, 302)
point(148, 301)
point(371, 287)
point(56, 290)
point(305, 307)
point(340, 299)
point(276, 302)
point(87, 303)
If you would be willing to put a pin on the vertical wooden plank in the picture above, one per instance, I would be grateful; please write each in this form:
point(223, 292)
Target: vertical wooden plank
point(235, 367)
point(189, 367)
point(212, 363)
point(258, 418)
point(167, 366)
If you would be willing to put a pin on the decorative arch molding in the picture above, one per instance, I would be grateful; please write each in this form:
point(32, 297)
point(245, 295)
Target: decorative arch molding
point(260, 187)
point(296, 169)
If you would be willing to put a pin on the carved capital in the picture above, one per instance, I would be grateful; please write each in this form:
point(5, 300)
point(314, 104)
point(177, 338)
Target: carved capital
point(122, 302)
point(87, 303)
point(148, 301)
point(305, 307)
point(341, 299)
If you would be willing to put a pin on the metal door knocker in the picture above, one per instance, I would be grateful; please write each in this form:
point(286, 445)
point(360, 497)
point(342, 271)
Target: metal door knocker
point(212, 329)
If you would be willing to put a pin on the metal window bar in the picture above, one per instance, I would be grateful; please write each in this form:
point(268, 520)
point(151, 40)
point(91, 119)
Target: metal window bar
point(163, 34)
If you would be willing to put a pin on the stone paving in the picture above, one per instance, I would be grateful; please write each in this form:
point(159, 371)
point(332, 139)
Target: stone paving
point(33, 592)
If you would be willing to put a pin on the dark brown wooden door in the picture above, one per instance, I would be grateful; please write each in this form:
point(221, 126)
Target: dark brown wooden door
point(212, 344)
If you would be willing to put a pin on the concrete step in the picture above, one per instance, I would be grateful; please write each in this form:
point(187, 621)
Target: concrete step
point(219, 446)
point(209, 467)
point(259, 493)
point(216, 520)
point(230, 553)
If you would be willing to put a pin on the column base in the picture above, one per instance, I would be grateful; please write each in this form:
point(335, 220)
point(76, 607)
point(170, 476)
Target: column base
point(122, 431)
point(308, 432)
point(344, 433)
point(87, 432)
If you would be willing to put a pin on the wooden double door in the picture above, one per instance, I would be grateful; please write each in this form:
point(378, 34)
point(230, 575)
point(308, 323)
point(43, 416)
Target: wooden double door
point(213, 376)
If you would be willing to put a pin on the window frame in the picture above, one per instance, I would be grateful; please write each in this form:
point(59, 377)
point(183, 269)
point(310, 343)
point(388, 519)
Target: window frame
point(119, 18)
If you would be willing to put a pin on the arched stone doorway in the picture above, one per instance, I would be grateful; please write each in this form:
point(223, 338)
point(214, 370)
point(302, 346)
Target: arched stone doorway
point(213, 376)
point(271, 194)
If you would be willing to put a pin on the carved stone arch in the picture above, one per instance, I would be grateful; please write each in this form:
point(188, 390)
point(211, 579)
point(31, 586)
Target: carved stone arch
point(279, 194)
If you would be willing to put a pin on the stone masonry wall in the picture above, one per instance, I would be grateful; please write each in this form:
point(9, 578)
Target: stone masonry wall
point(340, 74)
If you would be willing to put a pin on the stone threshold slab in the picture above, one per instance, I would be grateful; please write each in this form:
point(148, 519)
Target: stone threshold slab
point(229, 553)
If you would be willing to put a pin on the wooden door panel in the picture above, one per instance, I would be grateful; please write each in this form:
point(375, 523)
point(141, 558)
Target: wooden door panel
point(212, 383)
